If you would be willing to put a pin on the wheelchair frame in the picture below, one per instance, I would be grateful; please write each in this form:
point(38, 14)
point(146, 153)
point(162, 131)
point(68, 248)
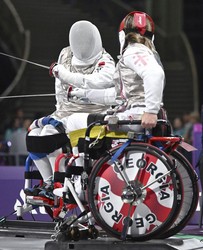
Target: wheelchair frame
point(69, 226)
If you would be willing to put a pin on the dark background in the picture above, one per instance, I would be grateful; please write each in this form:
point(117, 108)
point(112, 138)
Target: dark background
point(38, 30)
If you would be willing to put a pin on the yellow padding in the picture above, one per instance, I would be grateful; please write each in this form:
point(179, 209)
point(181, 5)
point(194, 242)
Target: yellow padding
point(94, 133)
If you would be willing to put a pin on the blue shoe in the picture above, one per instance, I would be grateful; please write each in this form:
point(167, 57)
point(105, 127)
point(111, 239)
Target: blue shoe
point(47, 192)
point(34, 191)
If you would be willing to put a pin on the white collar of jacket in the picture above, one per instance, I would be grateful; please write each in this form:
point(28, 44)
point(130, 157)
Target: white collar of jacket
point(91, 61)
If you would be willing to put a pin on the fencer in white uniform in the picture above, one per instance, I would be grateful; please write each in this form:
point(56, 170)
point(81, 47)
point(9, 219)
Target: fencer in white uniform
point(84, 64)
point(139, 78)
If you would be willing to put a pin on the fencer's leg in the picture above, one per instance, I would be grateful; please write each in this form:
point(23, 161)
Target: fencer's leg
point(74, 122)
point(46, 173)
point(40, 159)
point(42, 162)
point(51, 130)
point(52, 159)
point(44, 167)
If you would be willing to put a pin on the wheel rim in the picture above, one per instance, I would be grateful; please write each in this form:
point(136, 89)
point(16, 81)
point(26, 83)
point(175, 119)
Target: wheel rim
point(149, 213)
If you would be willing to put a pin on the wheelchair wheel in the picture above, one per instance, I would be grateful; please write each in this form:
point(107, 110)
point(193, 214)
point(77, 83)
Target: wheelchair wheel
point(146, 211)
point(190, 196)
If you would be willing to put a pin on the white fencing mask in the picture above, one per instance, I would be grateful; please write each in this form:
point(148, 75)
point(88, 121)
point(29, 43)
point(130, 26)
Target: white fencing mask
point(85, 43)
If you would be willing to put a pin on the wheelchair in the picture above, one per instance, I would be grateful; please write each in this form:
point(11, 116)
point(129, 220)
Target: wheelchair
point(136, 186)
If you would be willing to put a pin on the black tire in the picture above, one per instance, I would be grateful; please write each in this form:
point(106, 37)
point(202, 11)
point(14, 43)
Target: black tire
point(189, 197)
point(158, 203)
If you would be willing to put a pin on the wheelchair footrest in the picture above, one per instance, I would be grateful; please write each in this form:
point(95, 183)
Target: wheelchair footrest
point(39, 201)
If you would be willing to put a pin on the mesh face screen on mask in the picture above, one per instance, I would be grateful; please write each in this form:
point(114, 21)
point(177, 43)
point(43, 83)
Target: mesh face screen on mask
point(85, 40)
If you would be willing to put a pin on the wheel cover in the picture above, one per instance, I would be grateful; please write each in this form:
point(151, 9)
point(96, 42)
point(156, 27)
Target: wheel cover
point(148, 212)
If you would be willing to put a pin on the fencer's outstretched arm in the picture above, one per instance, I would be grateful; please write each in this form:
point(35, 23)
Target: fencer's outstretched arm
point(101, 78)
point(100, 96)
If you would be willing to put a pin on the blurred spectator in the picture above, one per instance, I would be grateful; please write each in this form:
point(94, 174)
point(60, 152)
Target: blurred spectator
point(18, 146)
point(190, 119)
point(13, 141)
point(8, 123)
point(15, 125)
point(26, 124)
point(19, 113)
point(178, 128)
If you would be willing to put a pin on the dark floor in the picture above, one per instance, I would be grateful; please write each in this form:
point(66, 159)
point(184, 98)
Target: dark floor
point(20, 238)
